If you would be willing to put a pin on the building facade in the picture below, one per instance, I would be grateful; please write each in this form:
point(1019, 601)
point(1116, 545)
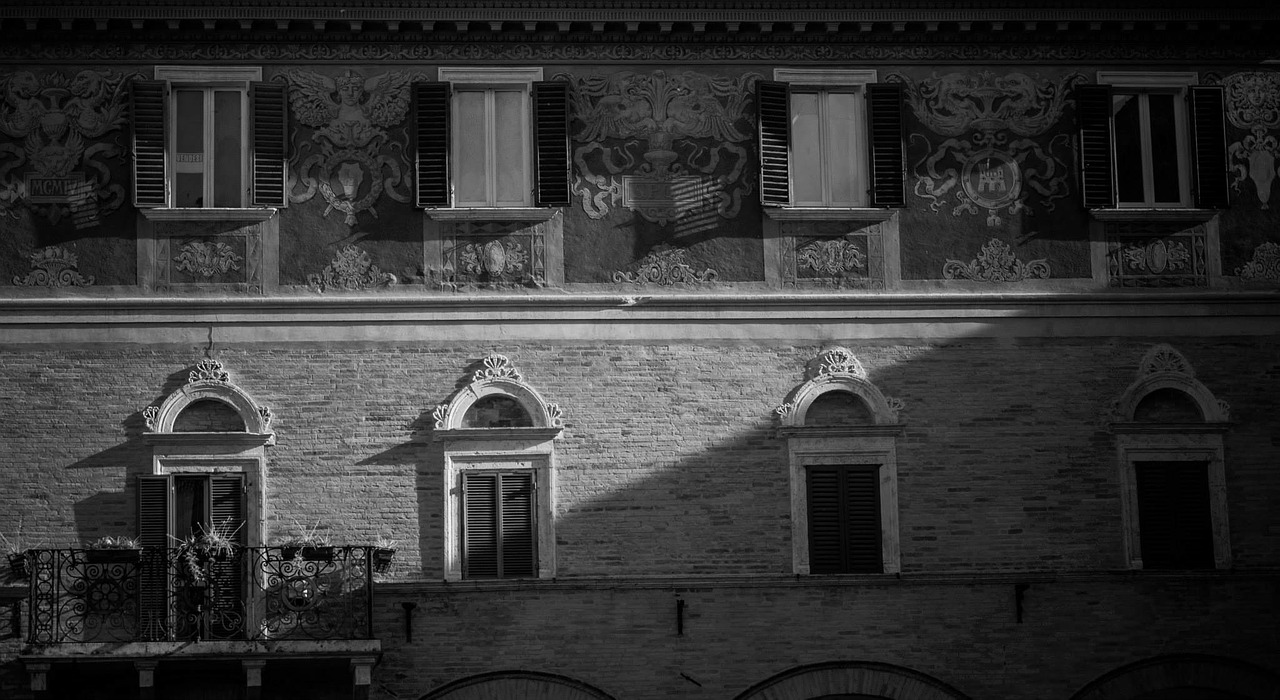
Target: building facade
point(614, 351)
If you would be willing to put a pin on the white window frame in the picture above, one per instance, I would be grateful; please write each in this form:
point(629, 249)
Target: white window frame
point(488, 78)
point(460, 460)
point(823, 82)
point(209, 79)
point(1141, 84)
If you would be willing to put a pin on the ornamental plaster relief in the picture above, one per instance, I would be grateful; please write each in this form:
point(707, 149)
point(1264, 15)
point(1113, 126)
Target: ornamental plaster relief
point(837, 369)
point(209, 380)
point(53, 266)
point(996, 263)
point(497, 375)
point(1163, 367)
point(356, 150)
point(1253, 104)
point(351, 270)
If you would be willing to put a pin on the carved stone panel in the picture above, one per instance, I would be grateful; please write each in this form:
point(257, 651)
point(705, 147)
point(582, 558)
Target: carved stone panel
point(207, 253)
point(495, 253)
point(1156, 254)
point(833, 254)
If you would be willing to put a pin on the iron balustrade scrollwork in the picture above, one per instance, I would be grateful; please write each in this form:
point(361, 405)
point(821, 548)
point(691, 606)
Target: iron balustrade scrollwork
point(254, 593)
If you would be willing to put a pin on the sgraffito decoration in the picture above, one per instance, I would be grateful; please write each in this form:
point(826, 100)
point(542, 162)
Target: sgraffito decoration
point(1156, 254)
point(352, 269)
point(1253, 104)
point(1265, 265)
point(62, 165)
point(53, 266)
point(669, 147)
point(990, 159)
point(207, 258)
point(832, 254)
point(351, 157)
point(665, 267)
point(496, 253)
point(996, 263)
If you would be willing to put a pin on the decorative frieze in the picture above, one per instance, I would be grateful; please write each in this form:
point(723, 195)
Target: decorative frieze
point(665, 267)
point(53, 266)
point(996, 263)
point(1156, 254)
point(351, 270)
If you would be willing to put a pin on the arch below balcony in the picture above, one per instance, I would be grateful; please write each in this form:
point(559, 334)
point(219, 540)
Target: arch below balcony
point(859, 679)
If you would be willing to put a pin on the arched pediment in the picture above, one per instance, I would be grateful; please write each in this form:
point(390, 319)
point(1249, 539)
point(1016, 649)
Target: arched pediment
point(498, 377)
point(208, 382)
point(836, 369)
point(1226, 677)
point(517, 684)
point(1163, 367)
point(856, 678)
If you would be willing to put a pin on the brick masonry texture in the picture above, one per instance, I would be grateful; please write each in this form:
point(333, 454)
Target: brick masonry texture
point(669, 466)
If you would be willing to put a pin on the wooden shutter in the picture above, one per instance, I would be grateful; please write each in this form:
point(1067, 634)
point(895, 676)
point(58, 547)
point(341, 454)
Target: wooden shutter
point(431, 143)
point(844, 519)
point(154, 502)
point(1097, 174)
point(268, 126)
point(773, 105)
point(227, 513)
point(551, 143)
point(1209, 136)
point(885, 128)
point(148, 102)
point(1174, 521)
point(499, 529)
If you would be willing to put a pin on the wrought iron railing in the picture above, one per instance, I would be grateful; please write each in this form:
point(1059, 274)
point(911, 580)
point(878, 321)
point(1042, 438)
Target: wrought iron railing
point(257, 593)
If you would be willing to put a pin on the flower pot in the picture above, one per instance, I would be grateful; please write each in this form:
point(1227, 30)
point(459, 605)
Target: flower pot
point(307, 553)
point(382, 557)
point(19, 564)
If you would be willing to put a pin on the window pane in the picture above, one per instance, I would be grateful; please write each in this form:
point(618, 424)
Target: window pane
point(840, 153)
point(469, 151)
point(188, 141)
point(1164, 148)
point(509, 147)
point(1128, 134)
point(806, 149)
point(226, 149)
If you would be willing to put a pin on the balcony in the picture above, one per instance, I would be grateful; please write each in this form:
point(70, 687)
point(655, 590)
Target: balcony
point(254, 594)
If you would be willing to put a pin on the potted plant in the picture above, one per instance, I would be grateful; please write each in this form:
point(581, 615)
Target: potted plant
point(384, 550)
point(308, 545)
point(197, 551)
point(109, 549)
point(19, 562)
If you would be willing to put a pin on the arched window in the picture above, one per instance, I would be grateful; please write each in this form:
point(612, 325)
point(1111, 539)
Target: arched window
point(1168, 429)
point(499, 462)
point(841, 435)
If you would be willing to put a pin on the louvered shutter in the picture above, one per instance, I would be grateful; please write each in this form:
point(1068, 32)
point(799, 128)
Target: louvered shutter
point(518, 555)
point(551, 143)
point(1209, 136)
point(885, 127)
point(1097, 173)
point(148, 115)
point(774, 131)
point(480, 524)
point(1174, 520)
point(154, 502)
point(431, 143)
point(844, 519)
point(227, 514)
point(268, 126)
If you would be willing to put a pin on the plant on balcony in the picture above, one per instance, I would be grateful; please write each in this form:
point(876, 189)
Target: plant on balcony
point(197, 551)
point(308, 545)
point(19, 563)
point(111, 548)
point(384, 550)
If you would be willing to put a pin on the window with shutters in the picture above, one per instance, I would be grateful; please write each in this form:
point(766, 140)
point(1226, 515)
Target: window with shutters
point(492, 138)
point(830, 139)
point(1152, 140)
point(841, 435)
point(208, 138)
point(499, 524)
point(1168, 429)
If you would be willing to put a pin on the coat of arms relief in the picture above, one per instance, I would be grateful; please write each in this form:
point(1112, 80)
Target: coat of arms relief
point(669, 146)
point(356, 153)
point(990, 157)
point(65, 131)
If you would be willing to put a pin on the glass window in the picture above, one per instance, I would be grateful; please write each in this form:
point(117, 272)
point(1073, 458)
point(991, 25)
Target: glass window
point(491, 147)
point(1150, 150)
point(825, 148)
point(208, 146)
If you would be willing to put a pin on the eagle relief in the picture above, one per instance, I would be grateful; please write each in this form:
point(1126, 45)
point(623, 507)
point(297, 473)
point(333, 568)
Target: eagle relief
point(352, 157)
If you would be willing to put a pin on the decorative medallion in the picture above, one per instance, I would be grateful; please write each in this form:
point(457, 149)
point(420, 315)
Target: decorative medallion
point(1253, 104)
point(996, 263)
point(670, 147)
point(496, 257)
point(346, 159)
point(64, 165)
point(837, 361)
point(665, 267)
point(53, 266)
point(495, 253)
point(987, 168)
point(350, 270)
point(1156, 254)
point(1265, 265)
point(1164, 358)
point(496, 367)
point(207, 258)
point(208, 370)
